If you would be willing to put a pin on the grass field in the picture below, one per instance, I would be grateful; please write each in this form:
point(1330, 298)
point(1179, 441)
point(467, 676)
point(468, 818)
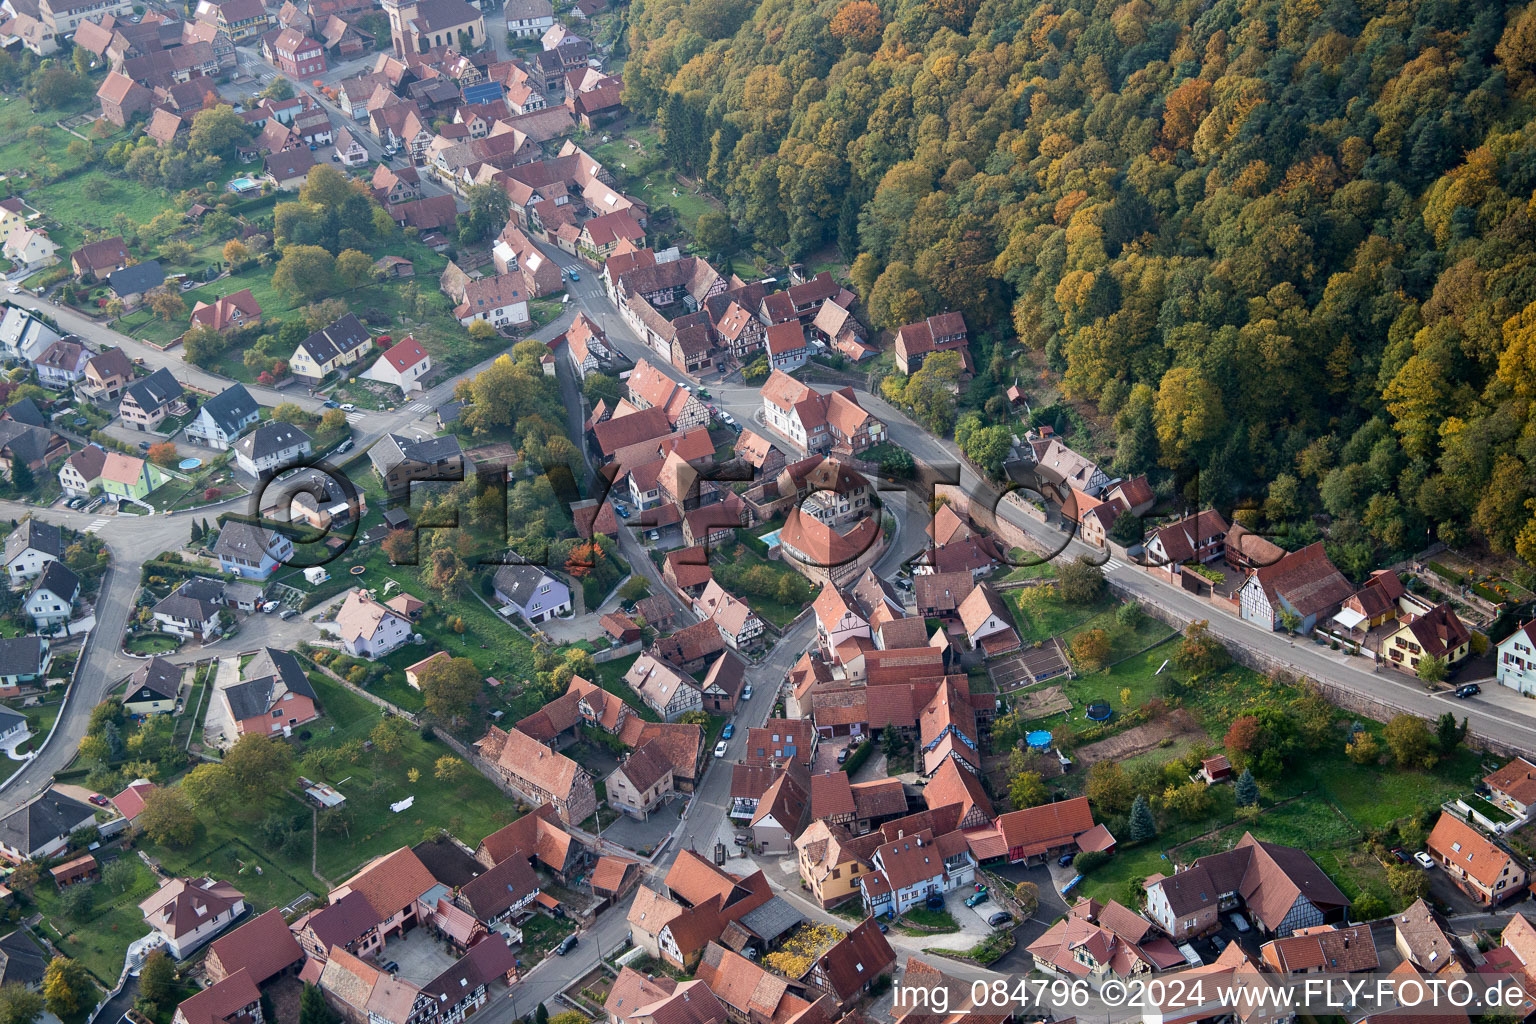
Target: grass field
point(232, 846)
point(471, 807)
point(99, 940)
point(734, 562)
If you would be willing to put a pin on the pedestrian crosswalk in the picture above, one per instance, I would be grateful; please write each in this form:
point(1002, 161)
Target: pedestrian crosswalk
point(418, 407)
point(354, 417)
point(96, 525)
point(1114, 563)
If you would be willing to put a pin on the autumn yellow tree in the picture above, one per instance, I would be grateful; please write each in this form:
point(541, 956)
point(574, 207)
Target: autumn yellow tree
point(802, 949)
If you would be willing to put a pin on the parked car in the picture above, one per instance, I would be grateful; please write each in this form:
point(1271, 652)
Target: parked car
point(1239, 922)
point(1424, 859)
point(575, 274)
point(728, 731)
point(1065, 859)
point(143, 446)
point(1401, 855)
point(1000, 918)
point(348, 407)
point(842, 755)
point(935, 901)
point(746, 692)
point(1468, 690)
point(884, 927)
point(345, 446)
point(654, 535)
point(566, 945)
point(289, 613)
point(99, 800)
point(14, 289)
point(741, 840)
point(976, 898)
point(329, 403)
point(720, 749)
point(392, 967)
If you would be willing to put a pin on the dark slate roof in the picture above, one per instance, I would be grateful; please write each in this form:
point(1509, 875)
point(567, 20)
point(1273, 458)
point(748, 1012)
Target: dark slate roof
point(393, 449)
point(447, 862)
point(9, 718)
point(270, 661)
point(250, 699)
point(26, 411)
point(22, 960)
point(344, 335)
point(772, 919)
point(22, 655)
point(59, 579)
point(35, 534)
point(51, 816)
point(270, 438)
point(190, 602)
point(138, 278)
point(243, 540)
point(161, 676)
point(158, 389)
point(519, 582)
point(25, 440)
point(230, 407)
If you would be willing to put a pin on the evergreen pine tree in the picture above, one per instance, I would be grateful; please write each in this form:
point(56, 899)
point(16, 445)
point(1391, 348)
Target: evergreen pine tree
point(313, 1008)
point(1143, 826)
point(1247, 790)
point(541, 1015)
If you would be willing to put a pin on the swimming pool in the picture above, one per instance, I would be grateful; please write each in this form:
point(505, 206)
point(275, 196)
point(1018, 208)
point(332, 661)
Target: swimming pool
point(187, 464)
point(770, 539)
point(244, 184)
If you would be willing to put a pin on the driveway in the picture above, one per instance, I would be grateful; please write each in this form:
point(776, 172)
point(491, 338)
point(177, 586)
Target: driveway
point(644, 836)
point(1447, 893)
point(218, 726)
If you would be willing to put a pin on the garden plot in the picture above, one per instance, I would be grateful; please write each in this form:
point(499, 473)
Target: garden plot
point(1030, 666)
point(1042, 703)
point(1142, 738)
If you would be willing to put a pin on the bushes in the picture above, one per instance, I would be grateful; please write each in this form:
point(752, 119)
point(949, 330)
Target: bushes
point(857, 758)
point(1089, 860)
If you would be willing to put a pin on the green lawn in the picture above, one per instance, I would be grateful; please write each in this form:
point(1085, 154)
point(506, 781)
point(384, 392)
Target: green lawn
point(232, 846)
point(610, 676)
point(1041, 613)
point(541, 934)
point(930, 922)
point(761, 582)
point(100, 940)
point(150, 643)
point(80, 204)
point(471, 808)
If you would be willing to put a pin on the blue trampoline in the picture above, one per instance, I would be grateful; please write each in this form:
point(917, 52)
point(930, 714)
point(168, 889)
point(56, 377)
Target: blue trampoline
point(1040, 739)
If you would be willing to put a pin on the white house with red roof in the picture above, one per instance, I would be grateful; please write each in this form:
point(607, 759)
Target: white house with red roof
point(187, 912)
point(404, 365)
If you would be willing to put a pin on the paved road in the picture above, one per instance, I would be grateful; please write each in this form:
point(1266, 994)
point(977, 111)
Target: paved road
point(1496, 714)
point(133, 540)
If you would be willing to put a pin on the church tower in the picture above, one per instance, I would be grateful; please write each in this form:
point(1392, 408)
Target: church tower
point(401, 13)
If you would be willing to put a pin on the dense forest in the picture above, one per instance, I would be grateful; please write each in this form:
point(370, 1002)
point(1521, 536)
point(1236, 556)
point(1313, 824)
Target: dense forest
point(1286, 246)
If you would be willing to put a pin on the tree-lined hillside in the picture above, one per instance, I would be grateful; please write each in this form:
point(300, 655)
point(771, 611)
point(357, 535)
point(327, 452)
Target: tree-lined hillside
point(1288, 245)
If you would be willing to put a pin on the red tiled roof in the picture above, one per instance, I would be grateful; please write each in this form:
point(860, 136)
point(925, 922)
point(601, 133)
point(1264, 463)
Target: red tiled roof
point(262, 947)
point(1041, 828)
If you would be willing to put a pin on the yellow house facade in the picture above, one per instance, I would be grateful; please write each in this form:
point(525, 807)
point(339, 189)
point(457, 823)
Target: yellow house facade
point(1438, 633)
point(830, 863)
